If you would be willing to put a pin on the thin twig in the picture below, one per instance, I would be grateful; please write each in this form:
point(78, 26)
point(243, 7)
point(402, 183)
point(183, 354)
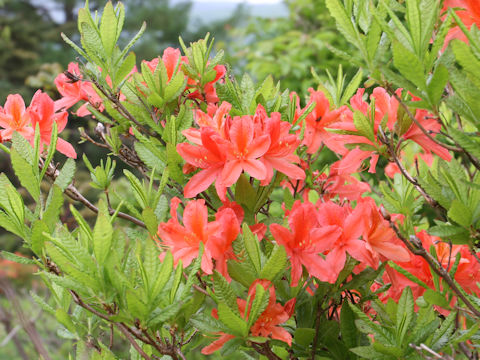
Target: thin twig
point(73, 193)
point(132, 341)
point(419, 250)
point(264, 349)
point(424, 131)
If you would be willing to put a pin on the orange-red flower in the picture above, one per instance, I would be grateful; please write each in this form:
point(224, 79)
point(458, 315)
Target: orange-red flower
point(380, 238)
point(14, 117)
point(469, 14)
point(347, 240)
point(317, 121)
point(267, 324)
point(42, 112)
point(74, 91)
point(305, 240)
point(244, 151)
point(184, 240)
point(211, 157)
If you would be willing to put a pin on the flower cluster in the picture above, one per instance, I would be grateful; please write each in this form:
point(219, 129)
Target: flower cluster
point(224, 147)
point(42, 113)
point(216, 236)
point(321, 235)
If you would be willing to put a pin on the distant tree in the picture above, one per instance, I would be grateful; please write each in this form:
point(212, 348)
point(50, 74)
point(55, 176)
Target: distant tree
point(289, 47)
point(22, 32)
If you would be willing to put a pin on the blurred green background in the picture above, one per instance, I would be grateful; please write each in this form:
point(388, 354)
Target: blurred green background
point(283, 38)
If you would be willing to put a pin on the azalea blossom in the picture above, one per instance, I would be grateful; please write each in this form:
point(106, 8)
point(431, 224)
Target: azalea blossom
point(380, 239)
point(42, 112)
point(384, 111)
point(317, 121)
point(305, 240)
point(350, 227)
point(224, 147)
point(469, 14)
point(14, 117)
point(184, 240)
point(467, 273)
point(75, 91)
point(267, 324)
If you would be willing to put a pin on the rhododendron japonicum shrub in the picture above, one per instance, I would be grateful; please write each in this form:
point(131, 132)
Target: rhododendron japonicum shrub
point(251, 221)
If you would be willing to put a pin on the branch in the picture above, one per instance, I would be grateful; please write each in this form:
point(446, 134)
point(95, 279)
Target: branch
point(432, 202)
point(132, 341)
point(264, 349)
point(73, 193)
point(416, 247)
point(412, 117)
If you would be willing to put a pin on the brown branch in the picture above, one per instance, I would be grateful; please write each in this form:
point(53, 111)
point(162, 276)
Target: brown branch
point(132, 341)
point(415, 246)
point(433, 203)
point(264, 349)
point(118, 105)
point(424, 131)
point(73, 193)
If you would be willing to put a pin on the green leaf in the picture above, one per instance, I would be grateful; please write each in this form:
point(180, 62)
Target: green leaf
point(435, 298)
point(16, 258)
point(259, 304)
point(304, 336)
point(367, 352)
point(206, 324)
point(409, 65)
point(135, 306)
point(25, 173)
point(175, 87)
point(442, 336)
point(253, 247)
point(405, 314)
point(64, 318)
point(150, 220)
point(108, 28)
point(447, 230)
point(234, 322)
point(37, 239)
point(163, 275)
point(161, 315)
point(275, 264)
point(53, 207)
point(92, 43)
point(343, 22)
point(150, 156)
point(102, 238)
point(65, 176)
point(176, 281)
point(466, 141)
point(352, 87)
point(460, 213)
point(52, 148)
point(363, 125)
point(436, 86)
point(125, 68)
point(223, 292)
point(414, 24)
point(244, 192)
point(348, 329)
